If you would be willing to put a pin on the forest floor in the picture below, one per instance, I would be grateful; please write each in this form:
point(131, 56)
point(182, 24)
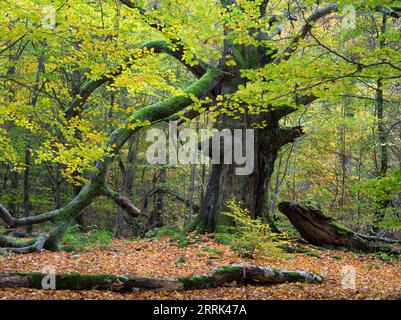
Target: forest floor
point(375, 278)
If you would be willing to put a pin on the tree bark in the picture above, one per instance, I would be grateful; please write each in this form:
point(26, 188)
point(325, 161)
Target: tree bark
point(382, 205)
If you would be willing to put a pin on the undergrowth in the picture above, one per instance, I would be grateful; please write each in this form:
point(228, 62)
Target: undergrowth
point(177, 235)
point(249, 236)
point(77, 241)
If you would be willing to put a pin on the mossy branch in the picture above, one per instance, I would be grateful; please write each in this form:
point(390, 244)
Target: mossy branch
point(162, 110)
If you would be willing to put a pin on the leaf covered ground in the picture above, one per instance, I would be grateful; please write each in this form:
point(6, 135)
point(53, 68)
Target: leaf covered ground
point(375, 278)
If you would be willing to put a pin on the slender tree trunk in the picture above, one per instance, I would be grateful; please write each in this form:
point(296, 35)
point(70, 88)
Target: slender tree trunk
point(191, 194)
point(57, 180)
point(129, 175)
point(382, 135)
point(26, 204)
point(80, 219)
point(381, 204)
point(13, 198)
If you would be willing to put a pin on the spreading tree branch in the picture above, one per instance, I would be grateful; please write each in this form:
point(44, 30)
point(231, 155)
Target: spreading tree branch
point(14, 222)
point(167, 108)
point(199, 68)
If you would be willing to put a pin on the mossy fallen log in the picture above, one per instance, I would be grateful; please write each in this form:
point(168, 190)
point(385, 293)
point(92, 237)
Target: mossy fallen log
point(321, 230)
point(216, 278)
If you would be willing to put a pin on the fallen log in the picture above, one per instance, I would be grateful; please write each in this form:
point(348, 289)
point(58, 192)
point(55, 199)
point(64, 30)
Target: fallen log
point(217, 277)
point(321, 230)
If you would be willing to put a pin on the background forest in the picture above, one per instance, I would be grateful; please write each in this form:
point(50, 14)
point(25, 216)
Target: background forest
point(81, 83)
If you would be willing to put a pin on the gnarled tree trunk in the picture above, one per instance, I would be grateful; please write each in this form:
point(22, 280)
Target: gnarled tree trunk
point(251, 189)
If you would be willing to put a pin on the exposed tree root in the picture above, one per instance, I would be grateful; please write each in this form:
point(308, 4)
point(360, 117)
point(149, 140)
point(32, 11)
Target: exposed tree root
point(216, 278)
point(321, 230)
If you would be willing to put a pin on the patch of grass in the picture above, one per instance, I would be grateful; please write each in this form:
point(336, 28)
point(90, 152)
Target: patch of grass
point(76, 241)
point(374, 266)
point(212, 250)
point(243, 248)
point(224, 237)
point(384, 257)
point(299, 285)
point(313, 254)
point(181, 240)
point(165, 231)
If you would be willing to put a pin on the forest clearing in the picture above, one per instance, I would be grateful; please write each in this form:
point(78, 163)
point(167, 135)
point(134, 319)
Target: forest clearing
point(376, 279)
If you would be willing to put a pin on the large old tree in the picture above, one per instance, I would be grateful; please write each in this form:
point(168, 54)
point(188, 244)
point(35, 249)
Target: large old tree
point(252, 63)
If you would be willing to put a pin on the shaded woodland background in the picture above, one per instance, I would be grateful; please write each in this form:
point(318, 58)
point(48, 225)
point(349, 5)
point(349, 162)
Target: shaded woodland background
point(327, 103)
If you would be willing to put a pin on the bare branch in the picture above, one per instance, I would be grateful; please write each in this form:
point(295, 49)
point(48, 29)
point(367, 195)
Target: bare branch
point(13, 222)
point(305, 29)
point(123, 202)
